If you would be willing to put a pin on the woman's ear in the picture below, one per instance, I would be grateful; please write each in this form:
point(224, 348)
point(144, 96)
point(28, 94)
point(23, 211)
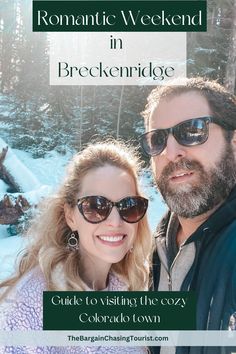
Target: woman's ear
point(69, 216)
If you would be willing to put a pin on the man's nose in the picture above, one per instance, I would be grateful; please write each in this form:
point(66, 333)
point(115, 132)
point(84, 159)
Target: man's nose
point(114, 218)
point(173, 150)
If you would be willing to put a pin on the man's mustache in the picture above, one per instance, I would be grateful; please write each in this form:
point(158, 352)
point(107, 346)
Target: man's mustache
point(183, 164)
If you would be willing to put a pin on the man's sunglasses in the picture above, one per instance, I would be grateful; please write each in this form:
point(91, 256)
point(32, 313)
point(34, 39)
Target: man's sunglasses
point(96, 209)
point(190, 132)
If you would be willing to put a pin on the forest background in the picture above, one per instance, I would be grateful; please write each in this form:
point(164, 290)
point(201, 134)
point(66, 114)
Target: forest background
point(43, 118)
point(38, 119)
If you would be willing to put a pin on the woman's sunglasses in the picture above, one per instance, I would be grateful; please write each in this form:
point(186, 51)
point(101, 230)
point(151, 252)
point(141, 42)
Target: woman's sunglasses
point(96, 209)
point(190, 132)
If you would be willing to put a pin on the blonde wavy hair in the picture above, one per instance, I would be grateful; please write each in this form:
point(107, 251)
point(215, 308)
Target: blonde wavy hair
point(49, 231)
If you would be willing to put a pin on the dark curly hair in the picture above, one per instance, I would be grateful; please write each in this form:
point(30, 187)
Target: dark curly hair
point(222, 103)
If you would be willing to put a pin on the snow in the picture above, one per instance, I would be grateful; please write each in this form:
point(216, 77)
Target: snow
point(3, 187)
point(3, 233)
point(10, 248)
point(205, 50)
point(5, 113)
point(156, 206)
point(49, 169)
point(48, 172)
point(35, 196)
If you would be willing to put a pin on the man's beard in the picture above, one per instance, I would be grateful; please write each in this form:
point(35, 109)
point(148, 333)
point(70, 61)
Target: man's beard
point(213, 187)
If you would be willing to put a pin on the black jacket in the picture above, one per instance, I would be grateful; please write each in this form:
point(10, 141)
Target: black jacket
point(213, 273)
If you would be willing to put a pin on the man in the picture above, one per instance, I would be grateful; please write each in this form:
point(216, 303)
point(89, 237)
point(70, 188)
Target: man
point(192, 143)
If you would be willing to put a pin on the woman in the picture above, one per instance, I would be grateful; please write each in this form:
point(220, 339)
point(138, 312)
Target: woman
point(92, 235)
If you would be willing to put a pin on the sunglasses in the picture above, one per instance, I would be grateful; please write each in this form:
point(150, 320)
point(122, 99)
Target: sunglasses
point(96, 209)
point(191, 132)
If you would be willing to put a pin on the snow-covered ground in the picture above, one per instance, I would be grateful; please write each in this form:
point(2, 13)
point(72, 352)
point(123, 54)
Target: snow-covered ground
point(49, 171)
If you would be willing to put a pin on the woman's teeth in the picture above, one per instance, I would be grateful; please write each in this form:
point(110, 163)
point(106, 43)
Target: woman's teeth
point(112, 238)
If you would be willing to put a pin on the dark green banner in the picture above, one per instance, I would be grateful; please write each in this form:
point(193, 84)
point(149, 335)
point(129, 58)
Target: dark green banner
point(118, 310)
point(121, 16)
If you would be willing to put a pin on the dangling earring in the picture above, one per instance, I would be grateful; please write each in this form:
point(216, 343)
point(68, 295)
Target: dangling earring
point(131, 249)
point(73, 241)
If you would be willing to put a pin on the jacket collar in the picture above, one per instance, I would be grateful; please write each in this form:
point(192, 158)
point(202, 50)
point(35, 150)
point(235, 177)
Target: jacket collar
point(223, 216)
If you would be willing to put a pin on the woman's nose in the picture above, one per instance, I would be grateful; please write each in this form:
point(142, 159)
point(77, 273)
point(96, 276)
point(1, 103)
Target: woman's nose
point(114, 218)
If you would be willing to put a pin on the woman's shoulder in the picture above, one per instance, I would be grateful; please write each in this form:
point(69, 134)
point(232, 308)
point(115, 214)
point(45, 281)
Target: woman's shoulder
point(22, 308)
point(29, 287)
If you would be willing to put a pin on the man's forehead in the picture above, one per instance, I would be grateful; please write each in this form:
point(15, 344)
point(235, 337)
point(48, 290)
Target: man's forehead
point(175, 109)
